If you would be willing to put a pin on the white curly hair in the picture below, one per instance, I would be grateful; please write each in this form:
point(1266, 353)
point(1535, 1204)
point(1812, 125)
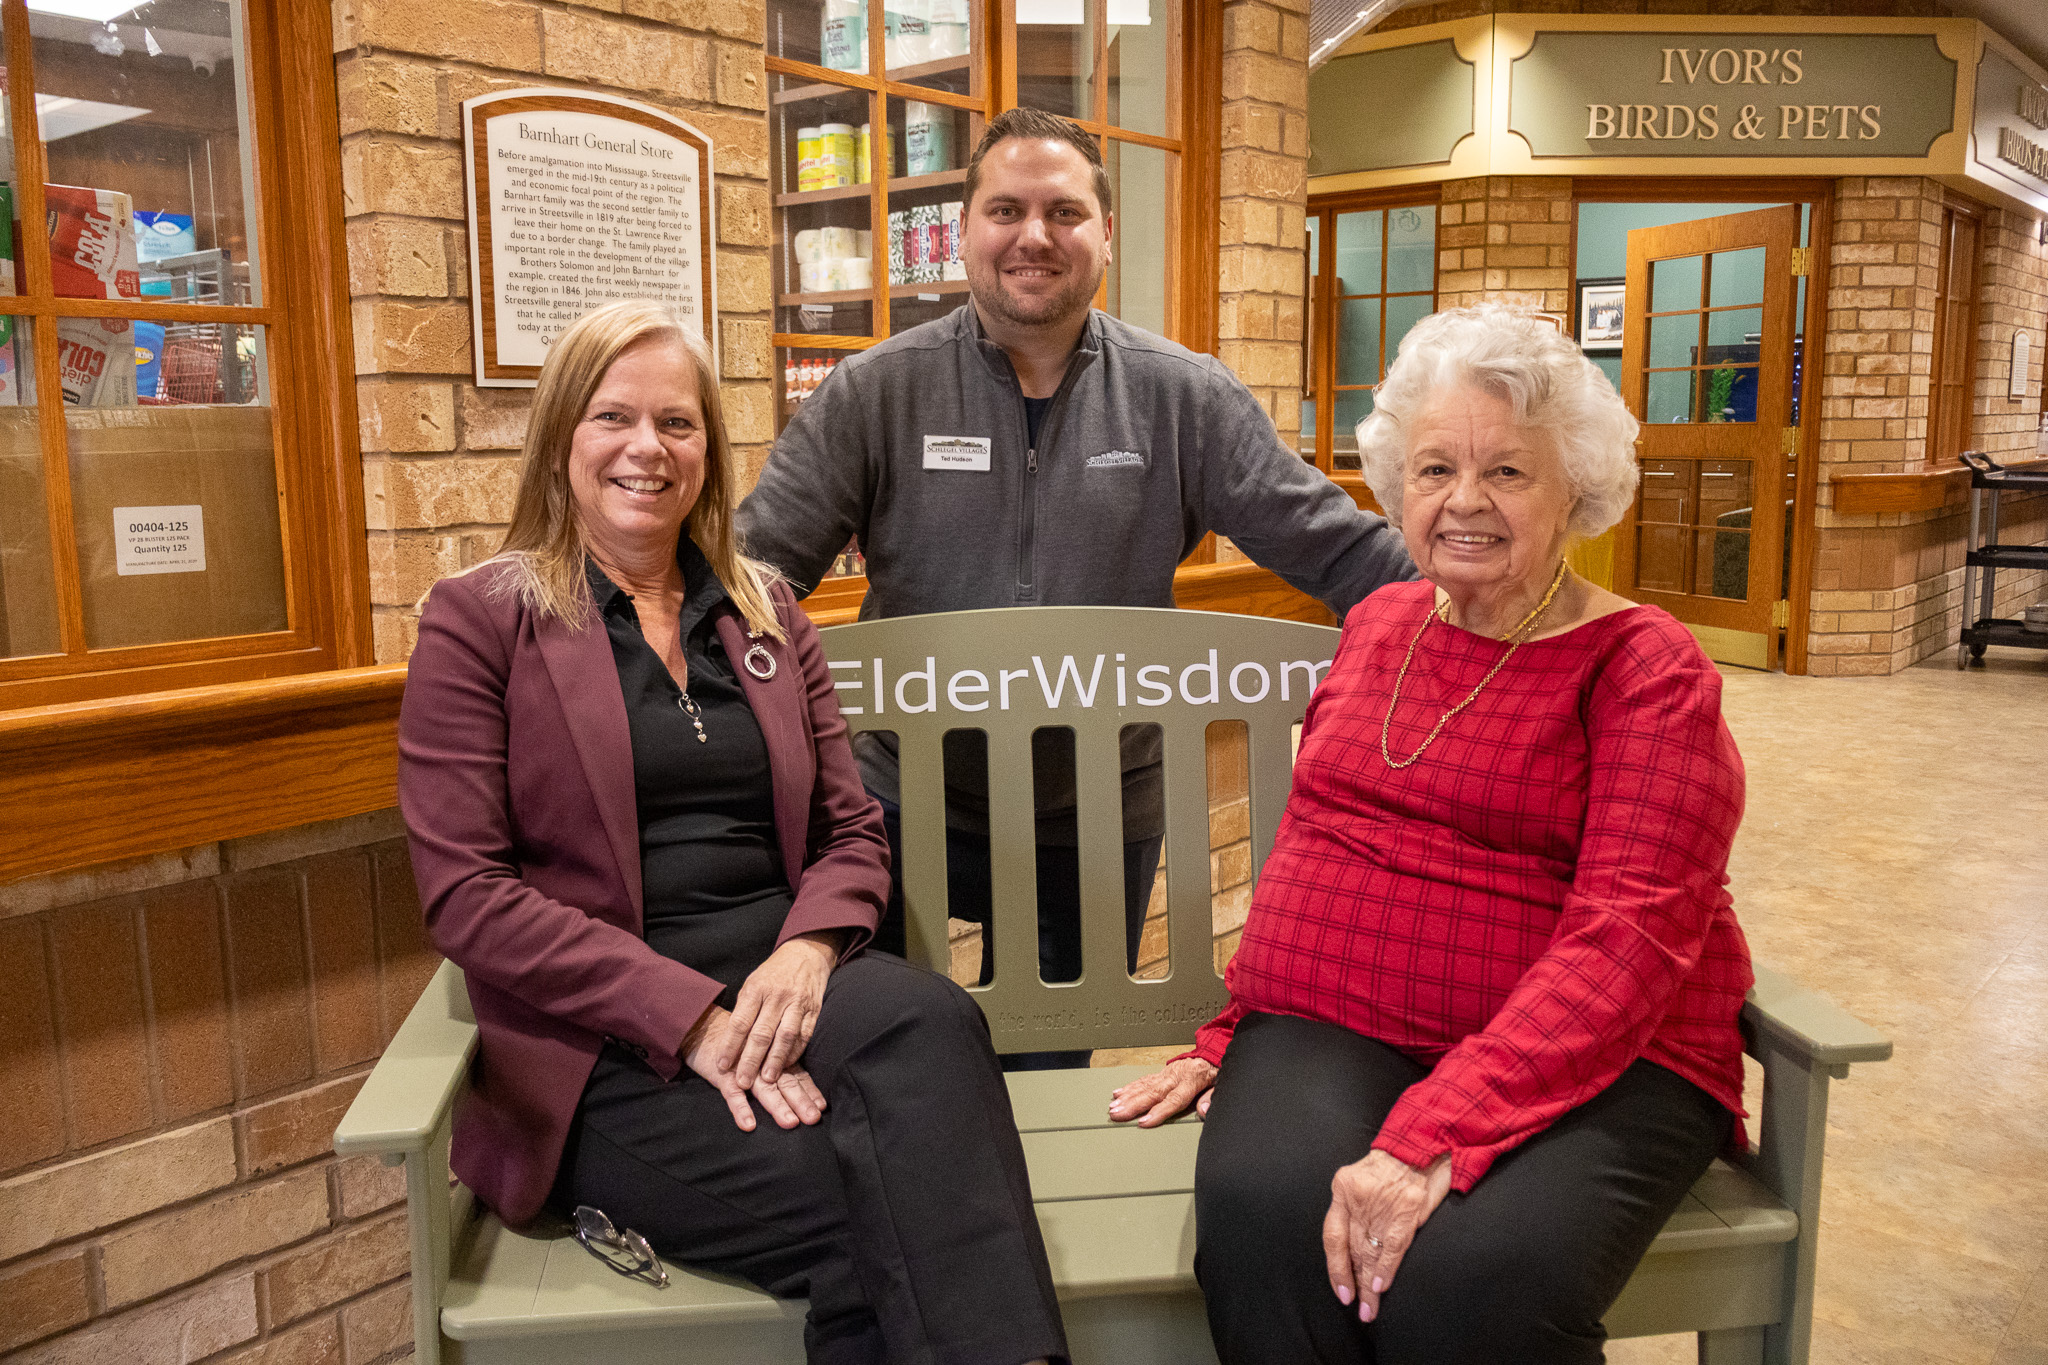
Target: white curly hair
point(1520, 357)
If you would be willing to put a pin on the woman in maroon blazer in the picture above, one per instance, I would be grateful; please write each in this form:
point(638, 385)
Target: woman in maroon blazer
point(638, 829)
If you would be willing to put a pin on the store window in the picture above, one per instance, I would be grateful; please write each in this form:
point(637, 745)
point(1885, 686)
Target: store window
point(1373, 277)
point(868, 170)
point(159, 490)
point(1953, 388)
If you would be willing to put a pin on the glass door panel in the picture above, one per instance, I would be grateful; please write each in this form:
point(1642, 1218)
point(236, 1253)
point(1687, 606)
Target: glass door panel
point(146, 128)
point(1144, 185)
point(1707, 368)
point(1056, 56)
point(1142, 66)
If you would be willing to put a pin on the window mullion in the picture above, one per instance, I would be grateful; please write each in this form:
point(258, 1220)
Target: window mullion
point(30, 174)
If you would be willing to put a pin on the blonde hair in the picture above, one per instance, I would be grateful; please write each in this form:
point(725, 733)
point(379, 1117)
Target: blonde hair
point(544, 544)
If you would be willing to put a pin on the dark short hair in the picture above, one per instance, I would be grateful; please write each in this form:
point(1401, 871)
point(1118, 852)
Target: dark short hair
point(1036, 123)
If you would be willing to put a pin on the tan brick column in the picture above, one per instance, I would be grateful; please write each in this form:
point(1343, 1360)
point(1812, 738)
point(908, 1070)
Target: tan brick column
point(1506, 238)
point(440, 456)
point(1873, 387)
point(1264, 205)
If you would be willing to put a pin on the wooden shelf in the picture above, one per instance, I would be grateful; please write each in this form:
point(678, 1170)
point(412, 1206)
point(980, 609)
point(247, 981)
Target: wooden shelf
point(940, 67)
point(911, 291)
point(827, 296)
point(800, 198)
point(899, 76)
point(896, 291)
point(905, 184)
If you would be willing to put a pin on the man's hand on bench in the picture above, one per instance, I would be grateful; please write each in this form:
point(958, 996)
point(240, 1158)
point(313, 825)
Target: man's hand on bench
point(1154, 1099)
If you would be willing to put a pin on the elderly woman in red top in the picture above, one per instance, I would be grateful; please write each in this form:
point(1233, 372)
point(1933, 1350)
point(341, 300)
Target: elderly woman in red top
point(1482, 1032)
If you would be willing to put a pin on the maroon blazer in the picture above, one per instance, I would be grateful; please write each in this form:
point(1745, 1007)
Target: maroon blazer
point(515, 777)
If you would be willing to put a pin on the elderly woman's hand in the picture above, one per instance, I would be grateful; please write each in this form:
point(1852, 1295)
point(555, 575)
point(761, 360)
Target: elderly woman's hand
point(1154, 1099)
point(791, 1098)
point(1376, 1206)
point(777, 1008)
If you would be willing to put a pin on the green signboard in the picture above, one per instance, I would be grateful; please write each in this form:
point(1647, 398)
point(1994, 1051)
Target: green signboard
point(1399, 106)
point(1827, 95)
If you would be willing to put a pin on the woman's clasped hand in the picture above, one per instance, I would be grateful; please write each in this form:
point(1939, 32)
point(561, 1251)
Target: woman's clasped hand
point(755, 1048)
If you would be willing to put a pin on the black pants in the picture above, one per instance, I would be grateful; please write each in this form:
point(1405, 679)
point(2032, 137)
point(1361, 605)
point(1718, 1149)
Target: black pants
point(969, 897)
point(1520, 1271)
point(904, 1215)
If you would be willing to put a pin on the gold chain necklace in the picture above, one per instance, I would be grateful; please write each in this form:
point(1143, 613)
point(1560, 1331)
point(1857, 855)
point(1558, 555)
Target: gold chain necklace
point(1514, 639)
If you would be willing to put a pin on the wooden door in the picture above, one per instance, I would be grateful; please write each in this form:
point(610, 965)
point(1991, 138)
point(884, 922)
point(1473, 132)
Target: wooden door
point(1707, 368)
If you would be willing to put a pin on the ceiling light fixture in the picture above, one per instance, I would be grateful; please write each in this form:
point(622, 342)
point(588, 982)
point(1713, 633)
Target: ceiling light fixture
point(96, 11)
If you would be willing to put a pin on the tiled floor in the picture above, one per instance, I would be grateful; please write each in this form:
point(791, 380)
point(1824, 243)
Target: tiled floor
point(1895, 858)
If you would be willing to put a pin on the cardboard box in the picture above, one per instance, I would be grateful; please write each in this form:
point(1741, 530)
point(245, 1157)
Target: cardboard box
point(221, 459)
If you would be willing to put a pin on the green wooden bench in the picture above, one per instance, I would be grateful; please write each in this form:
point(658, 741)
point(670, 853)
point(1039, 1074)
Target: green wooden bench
point(1735, 1264)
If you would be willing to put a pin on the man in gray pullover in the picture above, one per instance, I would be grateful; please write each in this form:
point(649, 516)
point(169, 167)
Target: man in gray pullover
point(1028, 450)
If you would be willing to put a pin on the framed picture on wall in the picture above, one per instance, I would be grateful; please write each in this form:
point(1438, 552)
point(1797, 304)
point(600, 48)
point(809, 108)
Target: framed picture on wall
point(1600, 314)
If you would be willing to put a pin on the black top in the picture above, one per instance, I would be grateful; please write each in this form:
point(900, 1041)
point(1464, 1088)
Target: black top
point(1034, 416)
point(711, 870)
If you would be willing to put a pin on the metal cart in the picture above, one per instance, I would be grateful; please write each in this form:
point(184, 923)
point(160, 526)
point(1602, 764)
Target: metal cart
point(1985, 553)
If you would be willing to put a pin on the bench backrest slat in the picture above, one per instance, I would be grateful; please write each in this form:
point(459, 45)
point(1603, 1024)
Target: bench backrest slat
point(1093, 670)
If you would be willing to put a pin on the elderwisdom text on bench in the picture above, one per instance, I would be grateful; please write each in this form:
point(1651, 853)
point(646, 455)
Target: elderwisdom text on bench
point(1064, 685)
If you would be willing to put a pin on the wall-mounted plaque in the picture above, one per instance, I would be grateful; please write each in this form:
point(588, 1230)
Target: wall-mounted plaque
point(577, 199)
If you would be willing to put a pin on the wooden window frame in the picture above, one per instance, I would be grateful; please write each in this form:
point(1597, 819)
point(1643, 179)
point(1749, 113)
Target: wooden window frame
point(1198, 91)
point(296, 147)
point(1320, 347)
point(1192, 301)
point(1949, 430)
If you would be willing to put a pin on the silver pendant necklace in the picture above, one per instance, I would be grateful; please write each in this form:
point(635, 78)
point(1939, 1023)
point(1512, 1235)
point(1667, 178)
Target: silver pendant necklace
point(689, 708)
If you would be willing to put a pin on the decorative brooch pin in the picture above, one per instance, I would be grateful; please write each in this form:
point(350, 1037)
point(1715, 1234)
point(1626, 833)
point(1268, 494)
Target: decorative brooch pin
point(758, 660)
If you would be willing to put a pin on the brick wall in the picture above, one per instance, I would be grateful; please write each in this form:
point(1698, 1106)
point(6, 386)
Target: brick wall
point(1508, 239)
point(181, 1036)
point(1887, 587)
point(440, 456)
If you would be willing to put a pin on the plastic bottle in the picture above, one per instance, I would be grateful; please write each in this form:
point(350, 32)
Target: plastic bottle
point(835, 155)
point(807, 140)
point(844, 40)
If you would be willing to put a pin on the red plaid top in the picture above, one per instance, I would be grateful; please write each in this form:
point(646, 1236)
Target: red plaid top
point(1535, 903)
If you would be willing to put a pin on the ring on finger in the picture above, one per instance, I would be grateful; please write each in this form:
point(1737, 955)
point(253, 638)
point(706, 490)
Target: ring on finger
point(1372, 1241)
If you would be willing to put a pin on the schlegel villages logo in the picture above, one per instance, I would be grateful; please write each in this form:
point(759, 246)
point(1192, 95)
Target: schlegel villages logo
point(1063, 685)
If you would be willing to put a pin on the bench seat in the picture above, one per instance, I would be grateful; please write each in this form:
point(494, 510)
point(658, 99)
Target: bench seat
point(1117, 1209)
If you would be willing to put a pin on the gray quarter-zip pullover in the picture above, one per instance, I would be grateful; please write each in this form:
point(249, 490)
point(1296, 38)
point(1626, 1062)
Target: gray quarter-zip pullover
point(918, 447)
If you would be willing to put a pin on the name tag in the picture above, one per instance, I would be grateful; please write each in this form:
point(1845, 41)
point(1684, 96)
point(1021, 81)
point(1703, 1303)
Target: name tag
point(957, 452)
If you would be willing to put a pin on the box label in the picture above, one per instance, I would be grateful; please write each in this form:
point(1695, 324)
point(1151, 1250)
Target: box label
point(159, 540)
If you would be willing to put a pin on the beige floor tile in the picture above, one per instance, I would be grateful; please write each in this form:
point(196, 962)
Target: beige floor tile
point(1679, 1350)
point(1913, 1296)
point(1833, 1345)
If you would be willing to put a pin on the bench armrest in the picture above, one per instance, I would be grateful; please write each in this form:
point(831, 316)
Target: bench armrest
point(1810, 1025)
point(407, 1099)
